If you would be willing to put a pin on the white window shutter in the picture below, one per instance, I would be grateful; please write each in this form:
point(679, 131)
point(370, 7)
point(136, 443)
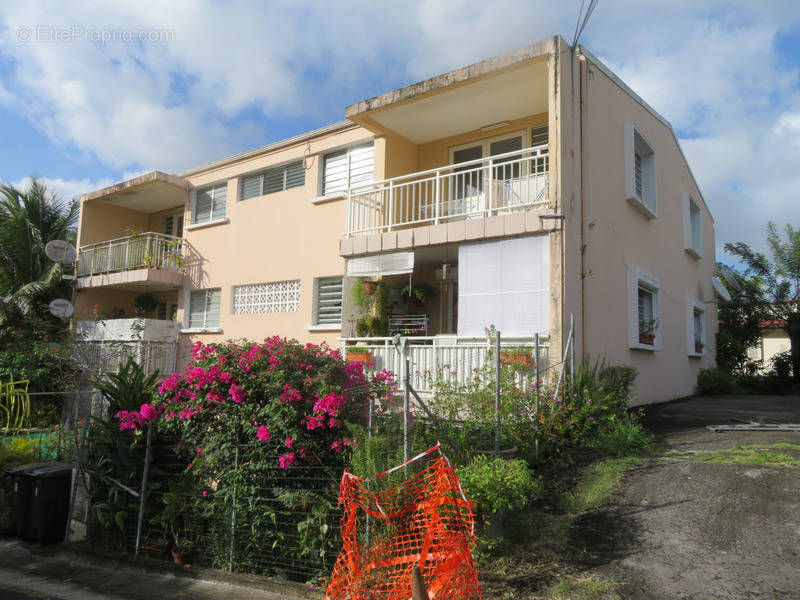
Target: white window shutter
point(220, 193)
point(335, 173)
point(362, 165)
point(197, 309)
point(251, 186)
point(329, 300)
point(202, 209)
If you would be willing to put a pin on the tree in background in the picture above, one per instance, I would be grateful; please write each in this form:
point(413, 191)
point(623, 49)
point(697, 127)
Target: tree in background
point(778, 280)
point(740, 322)
point(28, 221)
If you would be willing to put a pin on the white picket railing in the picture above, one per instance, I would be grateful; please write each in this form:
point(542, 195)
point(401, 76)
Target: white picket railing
point(495, 185)
point(133, 252)
point(448, 358)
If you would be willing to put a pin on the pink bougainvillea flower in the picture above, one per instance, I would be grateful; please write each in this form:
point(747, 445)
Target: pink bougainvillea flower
point(262, 433)
point(288, 442)
point(237, 393)
point(205, 493)
point(286, 460)
point(148, 412)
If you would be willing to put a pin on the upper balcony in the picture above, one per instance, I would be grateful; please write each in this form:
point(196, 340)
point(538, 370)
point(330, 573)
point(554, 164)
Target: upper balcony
point(146, 259)
point(500, 184)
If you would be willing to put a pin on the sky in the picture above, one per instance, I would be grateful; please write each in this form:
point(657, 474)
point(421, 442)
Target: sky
point(94, 93)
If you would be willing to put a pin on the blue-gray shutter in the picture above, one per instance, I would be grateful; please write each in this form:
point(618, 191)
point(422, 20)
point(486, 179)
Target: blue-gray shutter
point(220, 193)
point(202, 209)
point(251, 186)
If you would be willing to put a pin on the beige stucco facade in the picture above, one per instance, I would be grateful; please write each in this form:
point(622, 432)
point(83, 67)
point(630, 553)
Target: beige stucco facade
point(595, 236)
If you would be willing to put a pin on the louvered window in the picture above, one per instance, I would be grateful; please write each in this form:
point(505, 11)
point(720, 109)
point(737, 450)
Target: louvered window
point(276, 179)
point(637, 175)
point(328, 301)
point(210, 203)
point(348, 168)
point(204, 309)
point(276, 296)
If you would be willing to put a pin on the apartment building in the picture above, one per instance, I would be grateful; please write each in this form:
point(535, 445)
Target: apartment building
point(533, 191)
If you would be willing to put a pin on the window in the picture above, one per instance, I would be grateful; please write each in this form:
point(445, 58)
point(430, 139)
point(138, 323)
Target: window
point(540, 140)
point(696, 327)
point(328, 301)
point(173, 225)
point(640, 167)
point(204, 309)
point(644, 322)
point(692, 227)
point(209, 203)
point(259, 298)
point(276, 179)
point(348, 168)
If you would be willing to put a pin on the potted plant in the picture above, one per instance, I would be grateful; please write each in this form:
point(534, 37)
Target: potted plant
point(145, 305)
point(374, 308)
point(647, 332)
point(358, 354)
point(699, 346)
point(516, 357)
point(418, 295)
point(174, 518)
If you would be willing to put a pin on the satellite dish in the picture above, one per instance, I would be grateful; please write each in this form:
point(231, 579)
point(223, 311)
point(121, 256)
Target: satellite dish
point(61, 308)
point(732, 281)
point(61, 252)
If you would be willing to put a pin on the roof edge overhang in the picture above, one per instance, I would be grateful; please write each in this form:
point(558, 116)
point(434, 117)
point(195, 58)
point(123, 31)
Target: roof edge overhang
point(131, 185)
point(355, 112)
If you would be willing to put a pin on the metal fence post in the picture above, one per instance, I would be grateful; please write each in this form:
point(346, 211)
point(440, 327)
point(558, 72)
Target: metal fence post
point(572, 348)
point(233, 511)
point(406, 408)
point(497, 396)
point(143, 493)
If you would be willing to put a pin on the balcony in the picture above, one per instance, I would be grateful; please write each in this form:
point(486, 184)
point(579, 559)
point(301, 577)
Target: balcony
point(151, 259)
point(498, 185)
point(453, 358)
point(105, 344)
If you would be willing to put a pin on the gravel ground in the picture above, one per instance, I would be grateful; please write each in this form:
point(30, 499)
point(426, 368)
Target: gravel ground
point(681, 529)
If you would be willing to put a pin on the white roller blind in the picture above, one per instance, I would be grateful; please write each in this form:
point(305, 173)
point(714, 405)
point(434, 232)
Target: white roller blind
point(505, 284)
point(396, 263)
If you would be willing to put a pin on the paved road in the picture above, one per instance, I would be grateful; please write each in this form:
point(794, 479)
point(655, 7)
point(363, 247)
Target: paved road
point(681, 529)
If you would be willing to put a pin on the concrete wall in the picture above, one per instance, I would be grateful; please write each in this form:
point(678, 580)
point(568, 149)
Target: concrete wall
point(615, 236)
point(101, 222)
point(277, 237)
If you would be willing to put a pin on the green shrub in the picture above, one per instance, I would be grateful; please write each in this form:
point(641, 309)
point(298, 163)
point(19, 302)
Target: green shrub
point(498, 485)
point(622, 437)
point(714, 381)
point(16, 451)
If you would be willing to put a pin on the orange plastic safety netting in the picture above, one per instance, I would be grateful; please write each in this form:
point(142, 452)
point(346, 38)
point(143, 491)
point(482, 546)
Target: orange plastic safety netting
point(425, 520)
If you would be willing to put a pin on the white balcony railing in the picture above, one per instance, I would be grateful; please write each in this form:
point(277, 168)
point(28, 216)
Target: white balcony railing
point(133, 252)
point(495, 185)
point(104, 356)
point(449, 358)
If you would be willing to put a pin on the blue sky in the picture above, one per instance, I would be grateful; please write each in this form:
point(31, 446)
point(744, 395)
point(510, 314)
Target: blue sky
point(172, 88)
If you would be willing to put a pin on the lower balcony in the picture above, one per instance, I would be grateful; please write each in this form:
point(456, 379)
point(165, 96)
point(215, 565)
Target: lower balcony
point(454, 359)
point(105, 344)
point(152, 260)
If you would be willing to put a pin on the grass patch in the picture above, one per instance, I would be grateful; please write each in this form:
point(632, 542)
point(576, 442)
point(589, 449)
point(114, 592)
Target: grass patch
point(623, 438)
point(596, 486)
point(583, 587)
point(754, 455)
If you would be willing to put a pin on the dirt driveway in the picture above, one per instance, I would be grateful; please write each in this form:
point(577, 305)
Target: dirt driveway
point(682, 528)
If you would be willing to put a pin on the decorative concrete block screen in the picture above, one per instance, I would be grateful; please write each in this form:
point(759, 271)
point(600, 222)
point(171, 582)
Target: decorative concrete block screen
point(277, 296)
point(505, 284)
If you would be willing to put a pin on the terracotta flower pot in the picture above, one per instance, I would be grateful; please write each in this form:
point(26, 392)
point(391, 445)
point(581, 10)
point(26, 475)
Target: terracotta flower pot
point(516, 359)
point(647, 338)
point(362, 357)
point(698, 347)
point(370, 286)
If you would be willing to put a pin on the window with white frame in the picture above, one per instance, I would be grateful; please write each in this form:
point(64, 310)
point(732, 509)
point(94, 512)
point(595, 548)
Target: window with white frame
point(696, 327)
point(261, 298)
point(348, 168)
point(692, 227)
point(209, 203)
point(204, 309)
point(644, 310)
point(328, 300)
point(275, 179)
point(640, 167)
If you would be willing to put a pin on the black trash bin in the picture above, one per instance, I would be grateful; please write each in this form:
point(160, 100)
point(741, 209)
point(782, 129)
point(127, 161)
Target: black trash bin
point(50, 491)
point(21, 496)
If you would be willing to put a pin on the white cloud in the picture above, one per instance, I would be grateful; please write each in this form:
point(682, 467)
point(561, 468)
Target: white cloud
point(711, 68)
point(67, 189)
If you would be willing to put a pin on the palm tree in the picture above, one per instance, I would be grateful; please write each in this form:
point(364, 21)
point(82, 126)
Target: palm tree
point(28, 221)
point(779, 279)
